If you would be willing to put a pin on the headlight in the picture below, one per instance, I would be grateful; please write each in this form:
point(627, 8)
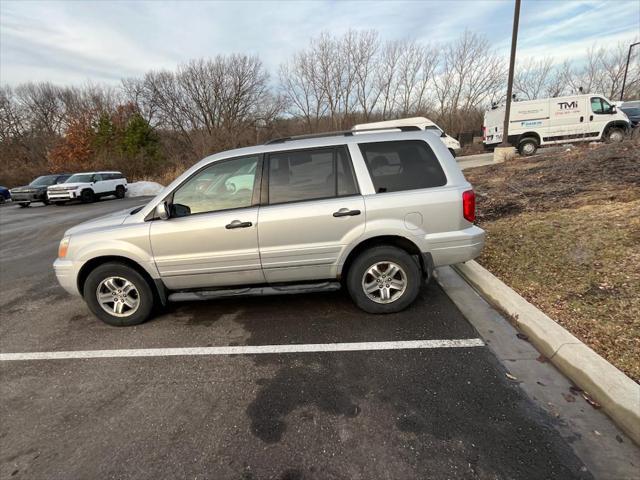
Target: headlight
point(64, 246)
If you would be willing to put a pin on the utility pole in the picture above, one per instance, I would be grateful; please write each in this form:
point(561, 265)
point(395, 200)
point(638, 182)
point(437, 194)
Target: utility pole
point(626, 68)
point(512, 61)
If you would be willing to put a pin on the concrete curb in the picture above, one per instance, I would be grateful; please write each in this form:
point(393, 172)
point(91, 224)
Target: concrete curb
point(617, 393)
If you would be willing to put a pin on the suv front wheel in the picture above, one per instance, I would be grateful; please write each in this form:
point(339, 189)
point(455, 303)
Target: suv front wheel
point(87, 196)
point(384, 279)
point(118, 295)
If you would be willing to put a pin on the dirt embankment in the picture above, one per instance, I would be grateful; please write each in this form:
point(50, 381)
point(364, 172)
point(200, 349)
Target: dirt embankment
point(581, 176)
point(564, 231)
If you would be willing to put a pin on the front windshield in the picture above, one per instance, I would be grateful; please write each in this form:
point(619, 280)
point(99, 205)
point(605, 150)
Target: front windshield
point(80, 178)
point(43, 181)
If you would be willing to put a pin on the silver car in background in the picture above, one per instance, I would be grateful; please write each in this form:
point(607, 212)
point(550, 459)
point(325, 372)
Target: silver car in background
point(373, 212)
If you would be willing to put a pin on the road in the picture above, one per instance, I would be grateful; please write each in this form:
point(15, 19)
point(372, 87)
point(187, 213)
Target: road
point(373, 414)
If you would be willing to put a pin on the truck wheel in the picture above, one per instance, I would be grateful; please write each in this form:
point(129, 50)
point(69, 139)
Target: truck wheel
point(384, 279)
point(527, 147)
point(118, 295)
point(615, 135)
point(87, 196)
point(24, 204)
point(119, 191)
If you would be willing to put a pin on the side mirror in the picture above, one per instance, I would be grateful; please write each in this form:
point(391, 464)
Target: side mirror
point(613, 110)
point(162, 211)
point(443, 134)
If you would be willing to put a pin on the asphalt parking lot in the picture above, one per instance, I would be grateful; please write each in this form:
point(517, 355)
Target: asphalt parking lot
point(447, 412)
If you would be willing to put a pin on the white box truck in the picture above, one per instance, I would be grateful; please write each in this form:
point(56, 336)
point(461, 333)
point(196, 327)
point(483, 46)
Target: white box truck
point(420, 122)
point(535, 123)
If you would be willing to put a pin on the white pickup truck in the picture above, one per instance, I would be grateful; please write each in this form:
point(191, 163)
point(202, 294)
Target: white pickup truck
point(88, 187)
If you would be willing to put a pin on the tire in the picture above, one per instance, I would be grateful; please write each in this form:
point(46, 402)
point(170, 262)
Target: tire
point(24, 204)
point(87, 196)
point(139, 295)
point(119, 191)
point(46, 202)
point(358, 275)
point(615, 135)
point(527, 147)
point(452, 152)
point(59, 204)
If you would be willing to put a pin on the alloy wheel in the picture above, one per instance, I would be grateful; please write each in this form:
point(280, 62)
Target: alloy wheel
point(384, 282)
point(118, 296)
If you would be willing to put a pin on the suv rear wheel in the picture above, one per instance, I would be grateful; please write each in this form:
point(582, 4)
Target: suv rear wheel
point(118, 295)
point(384, 279)
point(119, 191)
point(24, 204)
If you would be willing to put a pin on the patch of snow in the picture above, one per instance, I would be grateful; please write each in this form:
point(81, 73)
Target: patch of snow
point(143, 189)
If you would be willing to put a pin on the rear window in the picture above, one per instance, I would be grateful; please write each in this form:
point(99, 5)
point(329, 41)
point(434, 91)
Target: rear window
point(403, 165)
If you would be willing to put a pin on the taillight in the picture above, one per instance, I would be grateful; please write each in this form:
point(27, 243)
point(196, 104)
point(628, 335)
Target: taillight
point(469, 205)
point(484, 133)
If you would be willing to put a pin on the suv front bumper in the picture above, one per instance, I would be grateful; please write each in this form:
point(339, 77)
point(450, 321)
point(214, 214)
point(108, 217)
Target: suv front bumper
point(62, 195)
point(67, 275)
point(28, 196)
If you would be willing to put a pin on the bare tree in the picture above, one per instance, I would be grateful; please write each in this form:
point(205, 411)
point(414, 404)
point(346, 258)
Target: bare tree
point(532, 77)
point(386, 80)
point(365, 59)
point(471, 74)
point(301, 91)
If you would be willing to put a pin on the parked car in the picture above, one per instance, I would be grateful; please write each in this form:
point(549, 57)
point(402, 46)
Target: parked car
point(420, 122)
point(633, 113)
point(36, 191)
point(88, 187)
point(5, 194)
point(535, 123)
point(375, 212)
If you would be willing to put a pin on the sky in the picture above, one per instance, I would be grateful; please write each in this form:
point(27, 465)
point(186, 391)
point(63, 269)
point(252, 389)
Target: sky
point(72, 42)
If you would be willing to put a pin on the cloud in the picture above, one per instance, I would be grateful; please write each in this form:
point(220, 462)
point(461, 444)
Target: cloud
point(71, 42)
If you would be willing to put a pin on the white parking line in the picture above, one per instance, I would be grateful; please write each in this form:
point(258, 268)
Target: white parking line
point(246, 350)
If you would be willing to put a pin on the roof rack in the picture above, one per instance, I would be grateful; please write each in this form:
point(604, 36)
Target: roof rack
point(341, 133)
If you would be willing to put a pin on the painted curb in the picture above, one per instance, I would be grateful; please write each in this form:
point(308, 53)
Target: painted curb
point(617, 393)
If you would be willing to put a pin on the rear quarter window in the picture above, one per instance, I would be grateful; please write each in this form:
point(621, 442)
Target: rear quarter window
point(402, 165)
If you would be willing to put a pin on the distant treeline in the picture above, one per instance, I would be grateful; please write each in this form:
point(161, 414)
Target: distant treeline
point(156, 125)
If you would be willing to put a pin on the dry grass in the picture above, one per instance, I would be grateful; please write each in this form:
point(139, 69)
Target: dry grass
point(564, 231)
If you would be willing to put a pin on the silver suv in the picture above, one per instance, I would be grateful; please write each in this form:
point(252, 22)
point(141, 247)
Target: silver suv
point(375, 212)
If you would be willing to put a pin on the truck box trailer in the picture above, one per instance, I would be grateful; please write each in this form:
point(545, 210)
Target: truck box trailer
point(546, 121)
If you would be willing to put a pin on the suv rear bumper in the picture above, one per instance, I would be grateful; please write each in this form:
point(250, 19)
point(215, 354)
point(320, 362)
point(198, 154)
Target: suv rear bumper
point(456, 247)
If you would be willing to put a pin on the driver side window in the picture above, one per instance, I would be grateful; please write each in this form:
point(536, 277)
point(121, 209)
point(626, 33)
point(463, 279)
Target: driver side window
point(222, 186)
point(600, 106)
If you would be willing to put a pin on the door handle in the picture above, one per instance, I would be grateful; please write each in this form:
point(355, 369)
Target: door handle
point(345, 212)
point(238, 224)
point(581, 119)
point(591, 118)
